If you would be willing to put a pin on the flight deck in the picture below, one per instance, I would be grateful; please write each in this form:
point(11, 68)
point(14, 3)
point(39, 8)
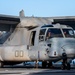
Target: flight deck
point(30, 70)
point(33, 71)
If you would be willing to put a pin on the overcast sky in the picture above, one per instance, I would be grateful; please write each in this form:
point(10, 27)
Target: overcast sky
point(42, 8)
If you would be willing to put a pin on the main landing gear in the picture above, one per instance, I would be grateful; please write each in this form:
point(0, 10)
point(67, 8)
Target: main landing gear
point(65, 63)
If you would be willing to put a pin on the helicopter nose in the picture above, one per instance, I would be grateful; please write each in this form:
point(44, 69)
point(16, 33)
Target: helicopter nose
point(69, 48)
point(60, 45)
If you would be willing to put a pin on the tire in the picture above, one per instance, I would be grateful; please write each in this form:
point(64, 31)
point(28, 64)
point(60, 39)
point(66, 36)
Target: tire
point(50, 65)
point(1, 65)
point(68, 66)
point(44, 64)
point(63, 66)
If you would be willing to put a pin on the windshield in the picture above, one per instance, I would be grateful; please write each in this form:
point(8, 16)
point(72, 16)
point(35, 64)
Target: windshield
point(42, 34)
point(68, 32)
point(53, 33)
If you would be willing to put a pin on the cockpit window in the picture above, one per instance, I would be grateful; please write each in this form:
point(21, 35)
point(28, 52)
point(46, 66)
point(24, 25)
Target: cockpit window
point(42, 34)
point(42, 31)
point(68, 32)
point(53, 33)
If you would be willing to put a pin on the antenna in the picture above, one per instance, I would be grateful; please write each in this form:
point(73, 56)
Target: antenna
point(21, 13)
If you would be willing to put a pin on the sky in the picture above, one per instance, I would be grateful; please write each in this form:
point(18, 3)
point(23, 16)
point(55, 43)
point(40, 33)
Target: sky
point(38, 8)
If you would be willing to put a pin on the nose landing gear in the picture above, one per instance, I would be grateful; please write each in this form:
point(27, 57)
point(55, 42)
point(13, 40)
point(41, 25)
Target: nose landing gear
point(65, 63)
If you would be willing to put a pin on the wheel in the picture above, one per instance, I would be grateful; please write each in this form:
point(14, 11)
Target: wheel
point(1, 64)
point(44, 63)
point(68, 66)
point(24, 63)
point(63, 66)
point(50, 65)
point(64, 63)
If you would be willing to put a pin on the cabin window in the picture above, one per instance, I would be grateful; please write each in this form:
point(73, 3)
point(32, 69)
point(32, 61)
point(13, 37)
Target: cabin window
point(42, 34)
point(32, 38)
point(68, 32)
point(53, 33)
point(16, 53)
point(4, 36)
point(21, 53)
